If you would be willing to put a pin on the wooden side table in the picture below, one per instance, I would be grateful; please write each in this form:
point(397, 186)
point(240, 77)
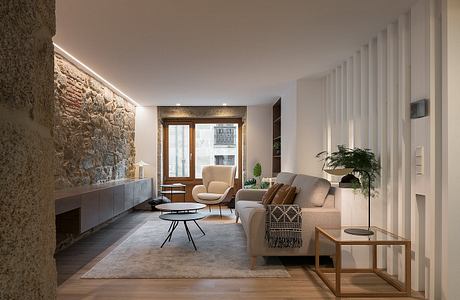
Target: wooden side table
point(381, 237)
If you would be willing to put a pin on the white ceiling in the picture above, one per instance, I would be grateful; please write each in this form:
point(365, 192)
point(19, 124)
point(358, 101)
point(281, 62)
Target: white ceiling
point(207, 52)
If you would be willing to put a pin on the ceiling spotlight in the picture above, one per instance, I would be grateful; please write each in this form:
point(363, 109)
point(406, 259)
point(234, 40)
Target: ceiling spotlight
point(177, 104)
point(224, 104)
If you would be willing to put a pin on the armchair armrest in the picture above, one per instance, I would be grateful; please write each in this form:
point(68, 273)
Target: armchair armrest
point(250, 194)
point(196, 190)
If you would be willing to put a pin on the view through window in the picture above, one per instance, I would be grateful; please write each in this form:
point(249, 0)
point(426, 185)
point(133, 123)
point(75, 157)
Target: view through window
point(215, 144)
point(179, 150)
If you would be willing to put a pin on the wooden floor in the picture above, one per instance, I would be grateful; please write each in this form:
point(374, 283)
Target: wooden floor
point(80, 257)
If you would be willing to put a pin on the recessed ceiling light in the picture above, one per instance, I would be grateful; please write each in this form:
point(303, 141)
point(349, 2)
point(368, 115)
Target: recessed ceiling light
point(177, 104)
point(224, 104)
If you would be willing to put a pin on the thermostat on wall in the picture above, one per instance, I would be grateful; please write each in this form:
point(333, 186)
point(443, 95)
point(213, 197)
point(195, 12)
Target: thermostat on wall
point(419, 109)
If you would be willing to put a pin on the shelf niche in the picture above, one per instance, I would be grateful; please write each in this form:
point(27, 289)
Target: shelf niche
point(276, 149)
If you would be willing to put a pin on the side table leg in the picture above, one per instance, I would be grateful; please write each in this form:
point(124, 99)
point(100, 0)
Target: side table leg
point(338, 268)
point(316, 249)
point(407, 248)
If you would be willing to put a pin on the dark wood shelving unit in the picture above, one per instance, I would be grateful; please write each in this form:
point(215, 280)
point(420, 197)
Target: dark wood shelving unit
point(276, 149)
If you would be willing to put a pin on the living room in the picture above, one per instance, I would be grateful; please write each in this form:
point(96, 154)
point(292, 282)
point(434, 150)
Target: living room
point(240, 149)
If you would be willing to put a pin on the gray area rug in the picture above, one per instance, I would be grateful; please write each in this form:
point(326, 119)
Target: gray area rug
point(221, 254)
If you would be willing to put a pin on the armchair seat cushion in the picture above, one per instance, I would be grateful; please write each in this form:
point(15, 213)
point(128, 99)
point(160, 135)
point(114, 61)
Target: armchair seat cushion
point(209, 196)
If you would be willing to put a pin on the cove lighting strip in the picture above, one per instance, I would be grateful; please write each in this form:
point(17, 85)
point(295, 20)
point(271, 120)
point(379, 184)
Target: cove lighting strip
point(92, 72)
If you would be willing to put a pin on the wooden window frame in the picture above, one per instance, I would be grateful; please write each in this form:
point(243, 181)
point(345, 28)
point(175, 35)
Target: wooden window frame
point(192, 122)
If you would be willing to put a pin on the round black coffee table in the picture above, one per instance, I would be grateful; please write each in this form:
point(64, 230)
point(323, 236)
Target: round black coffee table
point(176, 218)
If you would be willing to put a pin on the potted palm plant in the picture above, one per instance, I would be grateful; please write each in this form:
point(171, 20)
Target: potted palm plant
point(363, 162)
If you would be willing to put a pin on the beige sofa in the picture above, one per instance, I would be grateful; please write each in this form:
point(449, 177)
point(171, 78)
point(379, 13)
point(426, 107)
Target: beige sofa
point(316, 198)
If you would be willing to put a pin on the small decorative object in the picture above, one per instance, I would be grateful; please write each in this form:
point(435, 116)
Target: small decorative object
point(250, 183)
point(269, 180)
point(277, 147)
point(257, 171)
point(141, 165)
point(363, 162)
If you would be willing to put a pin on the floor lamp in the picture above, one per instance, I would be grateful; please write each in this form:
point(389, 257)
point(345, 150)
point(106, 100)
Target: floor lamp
point(346, 171)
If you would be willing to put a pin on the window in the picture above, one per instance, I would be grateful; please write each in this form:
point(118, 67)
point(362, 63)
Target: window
point(179, 150)
point(215, 144)
point(191, 144)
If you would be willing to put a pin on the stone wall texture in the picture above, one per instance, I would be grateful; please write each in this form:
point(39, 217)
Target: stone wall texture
point(27, 232)
point(93, 129)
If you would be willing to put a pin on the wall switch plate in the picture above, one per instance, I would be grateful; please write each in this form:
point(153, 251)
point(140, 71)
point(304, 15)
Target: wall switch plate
point(419, 160)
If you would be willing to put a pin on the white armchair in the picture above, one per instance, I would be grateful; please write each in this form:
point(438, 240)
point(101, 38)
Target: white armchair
point(217, 183)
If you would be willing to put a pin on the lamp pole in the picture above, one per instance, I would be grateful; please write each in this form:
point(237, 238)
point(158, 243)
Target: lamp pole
point(368, 198)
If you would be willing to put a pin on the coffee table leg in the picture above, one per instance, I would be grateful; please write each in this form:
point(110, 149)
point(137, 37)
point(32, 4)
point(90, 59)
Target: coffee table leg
point(169, 235)
point(170, 226)
point(172, 230)
point(190, 235)
point(199, 227)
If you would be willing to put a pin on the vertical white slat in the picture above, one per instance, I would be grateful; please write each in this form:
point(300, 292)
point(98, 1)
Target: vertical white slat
point(344, 127)
point(338, 97)
point(379, 211)
point(404, 138)
point(357, 99)
point(329, 113)
point(333, 112)
point(393, 147)
point(373, 136)
point(350, 127)
point(364, 96)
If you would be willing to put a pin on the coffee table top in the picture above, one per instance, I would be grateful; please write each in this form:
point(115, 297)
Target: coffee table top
point(380, 236)
point(180, 206)
point(183, 216)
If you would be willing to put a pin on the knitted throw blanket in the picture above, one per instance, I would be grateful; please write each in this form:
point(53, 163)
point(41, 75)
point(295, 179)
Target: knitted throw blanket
point(283, 226)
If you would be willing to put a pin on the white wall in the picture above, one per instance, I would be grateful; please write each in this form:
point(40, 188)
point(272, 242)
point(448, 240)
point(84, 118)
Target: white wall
point(146, 140)
point(451, 150)
point(302, 123)
point(289, 128)
point(259, 139)
point(309, 126)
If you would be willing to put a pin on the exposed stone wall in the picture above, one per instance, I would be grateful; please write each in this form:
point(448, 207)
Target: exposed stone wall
point(93, 131)
point(27, 233)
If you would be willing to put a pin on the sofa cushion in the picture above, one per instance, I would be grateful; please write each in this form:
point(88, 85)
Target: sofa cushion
point(267, 198)
point(209, 196)
point(312, 191)
point(285, 195)
point(285, 178)
point(243, 204)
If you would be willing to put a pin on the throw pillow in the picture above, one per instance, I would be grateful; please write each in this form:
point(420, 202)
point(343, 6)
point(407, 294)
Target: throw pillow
point(285, 195)
point(268, 196)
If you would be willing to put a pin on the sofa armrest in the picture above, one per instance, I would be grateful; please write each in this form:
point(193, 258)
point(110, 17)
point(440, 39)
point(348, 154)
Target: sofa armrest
point(250, 194)
point(311, 217)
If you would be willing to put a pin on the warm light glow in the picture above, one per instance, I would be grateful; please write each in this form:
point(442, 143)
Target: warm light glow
point(177, 104)
point(224, 104)
point(92, 72)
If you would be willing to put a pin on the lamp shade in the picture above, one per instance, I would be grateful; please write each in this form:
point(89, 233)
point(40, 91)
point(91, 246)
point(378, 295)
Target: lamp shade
point(142, 163)
point(339, 172)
